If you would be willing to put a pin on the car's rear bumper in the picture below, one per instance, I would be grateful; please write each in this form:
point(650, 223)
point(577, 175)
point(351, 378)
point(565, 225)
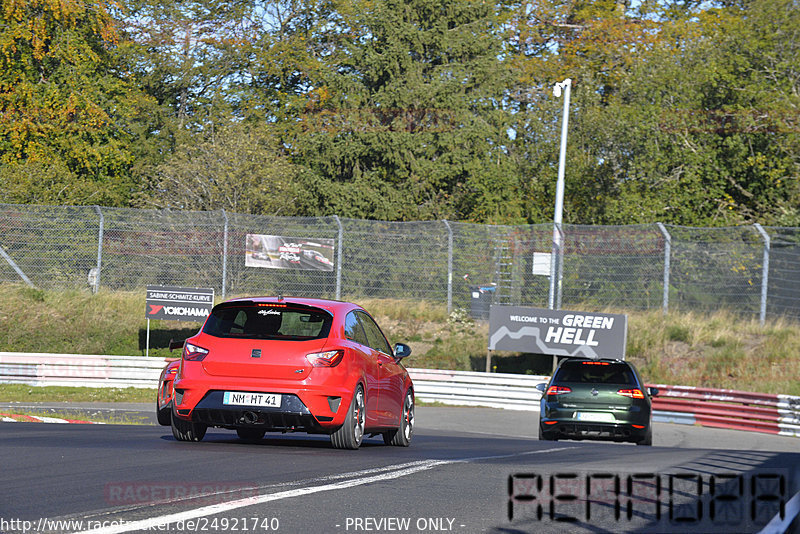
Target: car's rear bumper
point(164, 395)
point(324, 399)
point(307, 410)
point(291, 416)
point(594, 431)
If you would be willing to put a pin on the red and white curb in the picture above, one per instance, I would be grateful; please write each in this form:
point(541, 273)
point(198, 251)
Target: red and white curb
point(19, 418)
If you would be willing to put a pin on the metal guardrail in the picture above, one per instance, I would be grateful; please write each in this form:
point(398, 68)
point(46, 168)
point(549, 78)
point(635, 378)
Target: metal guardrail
point(39, 369)
point(463, 388)
point(727, 408)
point(719, 408)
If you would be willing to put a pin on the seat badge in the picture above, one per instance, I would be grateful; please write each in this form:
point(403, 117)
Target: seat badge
point(256, 353)
point(594, 392)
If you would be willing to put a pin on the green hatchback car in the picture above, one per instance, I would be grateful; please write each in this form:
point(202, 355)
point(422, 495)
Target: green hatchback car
point(597, 400)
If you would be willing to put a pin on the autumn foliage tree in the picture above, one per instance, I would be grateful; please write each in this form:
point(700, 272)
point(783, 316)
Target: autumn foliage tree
point(65, 109)
point(682, 112)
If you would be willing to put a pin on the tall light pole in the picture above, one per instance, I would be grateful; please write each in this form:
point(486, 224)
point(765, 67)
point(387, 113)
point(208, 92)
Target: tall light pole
point(564, 86)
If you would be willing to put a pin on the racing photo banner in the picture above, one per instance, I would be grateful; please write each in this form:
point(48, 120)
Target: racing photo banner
point(279, 252)
point(558, 332)
point(170, 303)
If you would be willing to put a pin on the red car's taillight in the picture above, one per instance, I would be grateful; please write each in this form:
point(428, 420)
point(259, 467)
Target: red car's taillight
point(193, 353)
point(558, 390)
point(329, 358)
point(632, 393)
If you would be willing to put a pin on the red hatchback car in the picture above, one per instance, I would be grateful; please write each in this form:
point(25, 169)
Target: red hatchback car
point(292, 364)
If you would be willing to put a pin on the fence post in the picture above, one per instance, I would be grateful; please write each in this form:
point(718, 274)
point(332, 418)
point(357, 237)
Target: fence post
point(667, 254)
point(764, 274)
point(339, 259)
point(16, 268)
point(449, 267)
point(96, 287)
point(224, 254)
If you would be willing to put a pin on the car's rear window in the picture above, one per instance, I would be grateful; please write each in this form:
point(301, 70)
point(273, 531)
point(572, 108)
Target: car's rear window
point(266, 321)
point(595, 373)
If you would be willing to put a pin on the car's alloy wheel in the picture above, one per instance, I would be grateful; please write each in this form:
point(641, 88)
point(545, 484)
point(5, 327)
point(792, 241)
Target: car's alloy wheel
point(351, 433)
point(186, 430)
point(401, 437)
point(250, 434)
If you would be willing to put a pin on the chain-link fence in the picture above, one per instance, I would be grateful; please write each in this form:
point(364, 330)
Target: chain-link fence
point(748, 269)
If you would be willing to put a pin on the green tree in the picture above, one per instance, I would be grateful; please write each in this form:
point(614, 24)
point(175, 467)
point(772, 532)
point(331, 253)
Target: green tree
point(190, 55)
point(66, 109)
point(212, 63)
point(596, 45)
point(408, 120)
point(236, 167)
point(681, 112)
point(703, 132)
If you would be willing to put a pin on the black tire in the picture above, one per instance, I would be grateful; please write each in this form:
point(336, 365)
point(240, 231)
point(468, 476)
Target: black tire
point(164, 415)
point(401, 437)
point(544, 436)
point(351, 433)
point(647, 441)
point(250, 435)
point(186, 430)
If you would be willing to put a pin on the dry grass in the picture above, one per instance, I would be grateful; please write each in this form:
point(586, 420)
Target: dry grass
point(719, 350)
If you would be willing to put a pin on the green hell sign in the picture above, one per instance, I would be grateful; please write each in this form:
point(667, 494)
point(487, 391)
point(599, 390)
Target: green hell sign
point(558, 332)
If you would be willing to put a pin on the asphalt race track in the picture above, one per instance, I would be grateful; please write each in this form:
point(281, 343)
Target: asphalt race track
point(467, 470)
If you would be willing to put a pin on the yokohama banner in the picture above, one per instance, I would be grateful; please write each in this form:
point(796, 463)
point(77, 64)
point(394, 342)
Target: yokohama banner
point(558, 333)
point(179, 303)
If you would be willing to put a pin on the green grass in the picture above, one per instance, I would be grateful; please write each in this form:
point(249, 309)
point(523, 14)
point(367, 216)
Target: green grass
point(718, 350)
point(78, 322)
point(24, 393)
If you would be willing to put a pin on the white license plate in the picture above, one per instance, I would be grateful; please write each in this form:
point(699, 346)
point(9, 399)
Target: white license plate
point(246, 398)
point(596, 417)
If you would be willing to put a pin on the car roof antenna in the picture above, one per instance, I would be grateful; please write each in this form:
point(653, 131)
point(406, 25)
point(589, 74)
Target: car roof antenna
point(280, 297)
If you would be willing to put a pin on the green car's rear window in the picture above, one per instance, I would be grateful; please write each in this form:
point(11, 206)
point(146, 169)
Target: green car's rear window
point(263, 321)
point(595, 373)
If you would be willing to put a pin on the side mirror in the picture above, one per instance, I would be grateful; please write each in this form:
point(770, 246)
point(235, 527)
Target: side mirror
point(653, 392)
point(176, 344)
point(541, 387)
point(401, 350)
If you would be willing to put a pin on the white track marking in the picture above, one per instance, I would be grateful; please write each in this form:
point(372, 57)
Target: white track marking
point(384, 474)
point(778, 525)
